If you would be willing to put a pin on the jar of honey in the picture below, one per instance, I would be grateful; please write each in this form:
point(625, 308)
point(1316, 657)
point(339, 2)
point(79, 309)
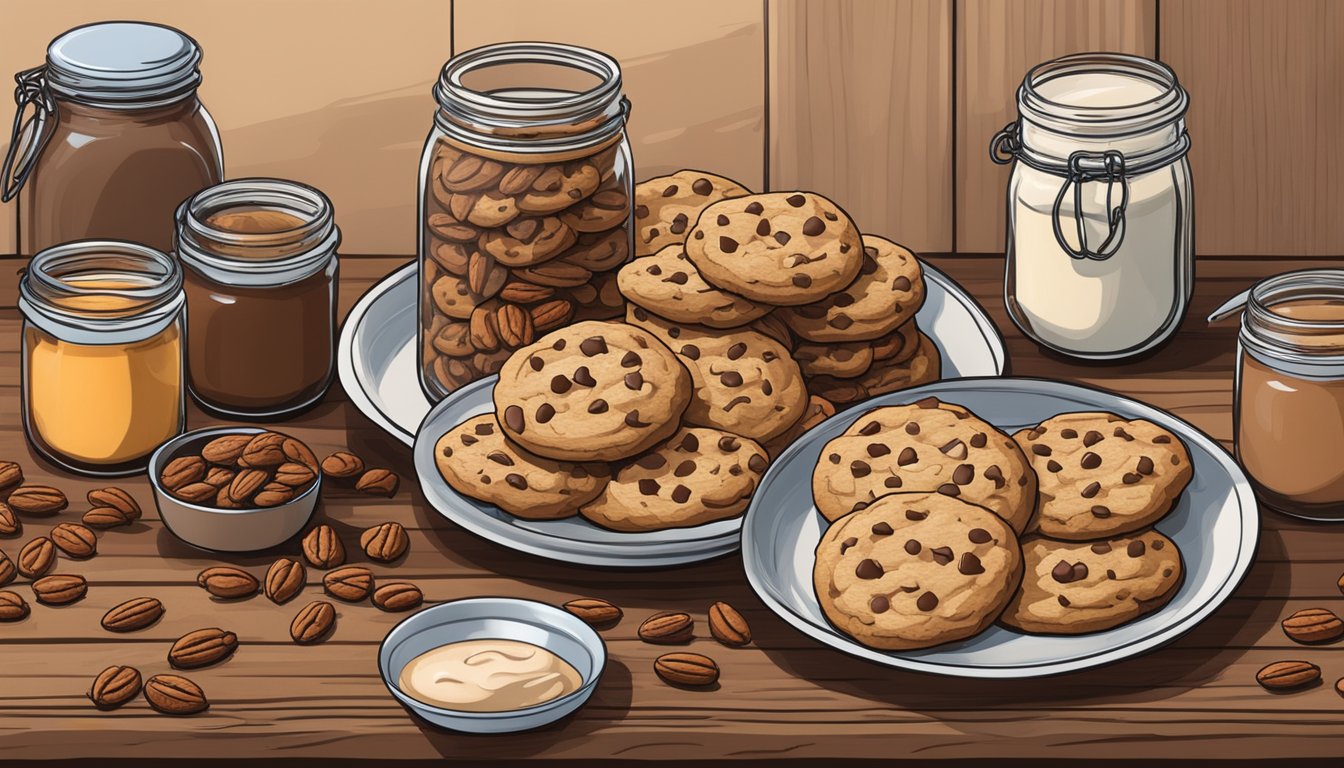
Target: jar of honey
point(102, 354)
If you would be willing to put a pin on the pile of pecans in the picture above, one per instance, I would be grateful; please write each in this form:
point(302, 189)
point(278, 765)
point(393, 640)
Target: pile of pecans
point(1309, 626)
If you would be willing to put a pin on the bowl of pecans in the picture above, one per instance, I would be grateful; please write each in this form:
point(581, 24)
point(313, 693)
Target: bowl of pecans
point(235, 489)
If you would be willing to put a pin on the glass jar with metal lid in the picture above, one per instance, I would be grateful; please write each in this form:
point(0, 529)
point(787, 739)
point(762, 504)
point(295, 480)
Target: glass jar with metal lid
point(102, 354)
point(1289, 414)
point(1100, 243)
point(526, 211)
point(116, 138)
point(261, 275)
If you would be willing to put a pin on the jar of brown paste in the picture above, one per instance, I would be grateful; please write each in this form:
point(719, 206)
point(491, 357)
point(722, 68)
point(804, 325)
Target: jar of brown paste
point(261, 278)
point(525, 205)
point(1289, 415)
point(116, 138)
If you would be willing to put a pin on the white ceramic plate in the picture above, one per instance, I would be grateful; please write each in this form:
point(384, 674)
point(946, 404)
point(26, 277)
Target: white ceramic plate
point(1215, 524)
point(376, 356)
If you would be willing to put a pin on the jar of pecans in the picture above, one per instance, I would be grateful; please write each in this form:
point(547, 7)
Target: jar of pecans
point(525, 204)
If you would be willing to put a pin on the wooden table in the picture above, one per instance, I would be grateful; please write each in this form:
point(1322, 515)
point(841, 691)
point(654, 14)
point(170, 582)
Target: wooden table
point(783, 698)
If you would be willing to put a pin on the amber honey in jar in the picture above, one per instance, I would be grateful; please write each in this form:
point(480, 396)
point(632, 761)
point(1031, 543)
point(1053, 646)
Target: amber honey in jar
point(525, 204)
point(1289, 415)
point(261, 278)
point(114, 136)
point(102, 354)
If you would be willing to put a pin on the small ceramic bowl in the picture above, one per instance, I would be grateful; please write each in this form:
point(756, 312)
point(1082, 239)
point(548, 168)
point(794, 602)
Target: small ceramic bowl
point(495, 618)
point(226, 530)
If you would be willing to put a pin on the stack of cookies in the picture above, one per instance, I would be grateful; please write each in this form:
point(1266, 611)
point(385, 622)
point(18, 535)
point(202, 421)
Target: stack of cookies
point(942, 524)
point(789, 265)
point(601, 419)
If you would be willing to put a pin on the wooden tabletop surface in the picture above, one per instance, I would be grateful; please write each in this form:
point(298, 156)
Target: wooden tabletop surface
point(785, 697)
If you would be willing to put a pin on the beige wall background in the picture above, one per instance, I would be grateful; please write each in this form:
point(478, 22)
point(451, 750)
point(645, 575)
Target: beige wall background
point(885, 105)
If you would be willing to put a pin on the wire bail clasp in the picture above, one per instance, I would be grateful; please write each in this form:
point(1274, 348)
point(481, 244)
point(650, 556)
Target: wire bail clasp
point(1084, 167)
point(31, 132)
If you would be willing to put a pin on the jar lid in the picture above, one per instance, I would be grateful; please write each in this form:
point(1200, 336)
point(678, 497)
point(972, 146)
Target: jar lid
point(123, 63)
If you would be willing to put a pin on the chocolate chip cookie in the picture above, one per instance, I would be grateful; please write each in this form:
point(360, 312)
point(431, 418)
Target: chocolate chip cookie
point(818, 410)
point(924, 365)
point(843, 361)
point(925, 446)
point(666, 207)
point(592, 391)
point(914, 570)
point(1101, 475)
point(783, 248)
point(528, 241)
point(698, 476)
point(475, 458)
point(669, 285)
point(1076, 587)
point(887, 293)
point(745, 382)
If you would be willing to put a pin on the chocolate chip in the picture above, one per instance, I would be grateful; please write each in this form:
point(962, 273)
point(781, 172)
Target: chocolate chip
point(513, 418)
point(754, 208)
point(992, 472)
point(730, 379)
point(1062, 572)
point(598, 406)
point(670, 191)
point(1091, 490)
point(595, 345)
point(879, 604)
point(679, 224)
point(690, 352)
point(797, 201)
point(630, 360)
point(536, 362)
point(469, 440)
point(907, 457)
point(684, 468)
point(979, 440)
point(813, 226)
point(1053, 466)
point(834, 458)
point(681, 494)
point(1158, 544)
point(649, 487)
point(892, 482)
point(870, 429)
point(1100, 511)
point(678, 278)
point(963, 475)
point(722, 221)
point(868, 569)
point(516, 480)
point(847, 543)
point(842, 322)
point(632, 419)
point(970, 565)
point(485, 429)
point(948, 489)
point(763, 227)
point(558, 345)
point(499, 457)
point(582, 376)
point(1041, 450)
point(1135, 549)
point(955, 449)
point(901, 283)
point(1120, 432)
point(1110, 574)
point(737, 350)
point(914, 514)
point(801, 281)
point(769, 356)
point(727, 244)
point(1064, 601)
point(642, 211)
point(729, 444)
point(651, 461)
point(690, 443)
point(942, 555)
point(1130, 478)
point(1145, 465)
point(1068, 434)
point(1092, 438)
point(560, 384)
point(634, 381)
point(782, 237)
point(1100, 548)
point(702, 187)
point(911, 428)
point(878, 449)
point(767, 388)
point(927, 602)
point(979, 536)
point(912, 547)
point(1161, 440)
point(736, 401)
point(757, 463)
point(1090, 460)
point(860, 468)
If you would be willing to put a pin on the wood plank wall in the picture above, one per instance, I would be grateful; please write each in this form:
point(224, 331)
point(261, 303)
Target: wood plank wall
point(886, 105)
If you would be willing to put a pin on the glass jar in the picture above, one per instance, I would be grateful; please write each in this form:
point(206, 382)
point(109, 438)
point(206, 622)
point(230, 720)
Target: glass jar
point(1289, 414)
point(102, 354)
point(1100, 245)
point(117, 138)
point(261, 279)
point(525, 204)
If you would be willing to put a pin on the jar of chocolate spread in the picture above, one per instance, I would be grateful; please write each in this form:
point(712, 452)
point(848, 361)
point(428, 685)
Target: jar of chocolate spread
point(110, 137)
point(1289, 414)
point(260, 276)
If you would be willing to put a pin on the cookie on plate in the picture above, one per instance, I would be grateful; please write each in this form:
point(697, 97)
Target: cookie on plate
point(924, 365)
point(698, 476)
point(668, 284)
point(666, 207)
point(477, 460)
point(1102, 475)
point(887, 293)
point(593, 391)
point(818, 410)
point(843, 361)
point(925, 446)
point(1073, 587)
point(914, 570)
point(745, 382)
point(782, 248)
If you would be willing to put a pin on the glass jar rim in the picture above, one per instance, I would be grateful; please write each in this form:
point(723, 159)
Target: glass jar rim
point(1168, 105)
point(1286, 338)
point(123, 65)
point(527, 124)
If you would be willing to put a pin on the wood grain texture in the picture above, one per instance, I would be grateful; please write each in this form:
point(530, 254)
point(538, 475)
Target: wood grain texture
point(784, 697)
point(861, 111)
point(336, 94)
point(1266, 83)
point(694, 72)
point(997, 42)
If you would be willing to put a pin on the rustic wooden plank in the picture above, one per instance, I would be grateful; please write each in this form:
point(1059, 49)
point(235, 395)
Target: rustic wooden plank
point(694, 75)
point(1267, 97)
point(997, 42)
point(290, 98)
point(861, 111)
